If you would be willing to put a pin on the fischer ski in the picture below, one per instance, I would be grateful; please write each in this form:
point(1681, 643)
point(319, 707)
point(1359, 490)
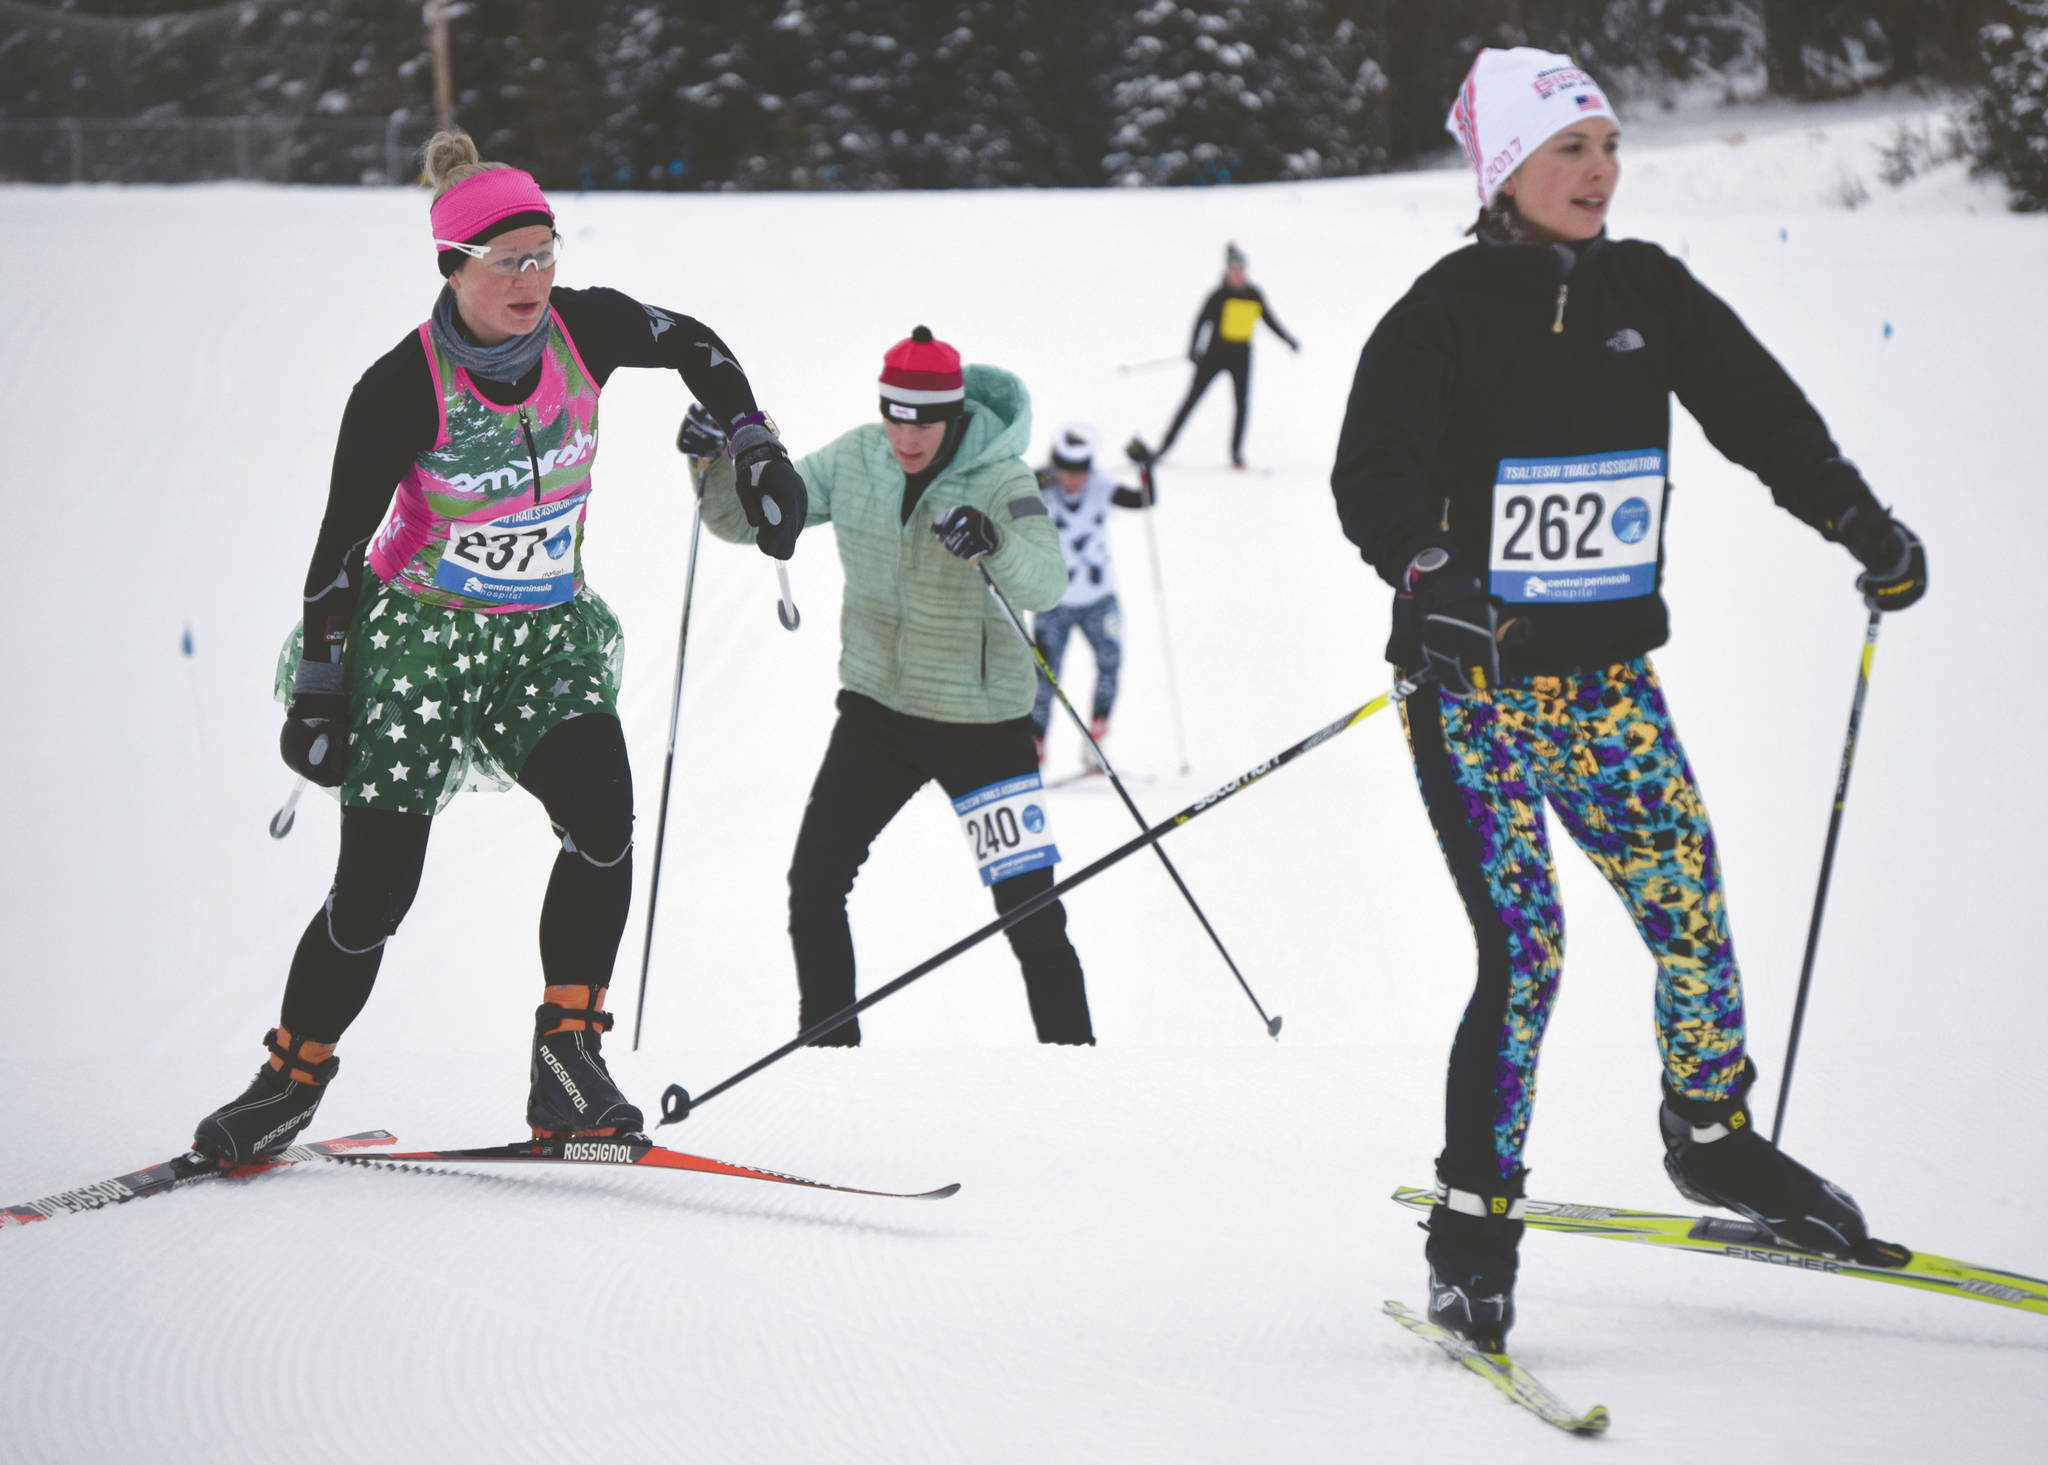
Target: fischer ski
point(1743, 1240)
point(186, 1169)
point(632, 1150)
point(1504, 1373)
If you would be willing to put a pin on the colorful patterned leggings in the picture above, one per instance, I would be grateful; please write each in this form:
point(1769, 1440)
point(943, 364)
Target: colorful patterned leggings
point(1600, 749)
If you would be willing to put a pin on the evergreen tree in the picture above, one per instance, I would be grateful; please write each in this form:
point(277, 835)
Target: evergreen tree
point(1242, 92)
point(2009, 122)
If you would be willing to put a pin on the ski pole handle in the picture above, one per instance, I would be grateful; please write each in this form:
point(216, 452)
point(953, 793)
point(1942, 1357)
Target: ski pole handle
point(785, 605)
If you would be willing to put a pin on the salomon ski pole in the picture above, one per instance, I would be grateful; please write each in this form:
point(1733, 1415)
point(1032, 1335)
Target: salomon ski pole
point(676, 1102)
point(1102, 758)
point(668, 767)
point(1827, 867)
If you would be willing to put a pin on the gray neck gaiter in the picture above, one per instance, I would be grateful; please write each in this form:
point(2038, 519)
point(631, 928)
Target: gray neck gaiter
point(505, 362)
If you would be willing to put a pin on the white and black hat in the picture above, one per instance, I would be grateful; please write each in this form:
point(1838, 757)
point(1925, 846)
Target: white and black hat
point(1074, 447)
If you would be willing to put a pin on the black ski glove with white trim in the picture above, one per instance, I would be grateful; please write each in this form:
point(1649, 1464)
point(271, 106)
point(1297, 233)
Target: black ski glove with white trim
point(1462, 629)
point(700, 436)
point(772, 492)
point(967, 532)
point(314, 740)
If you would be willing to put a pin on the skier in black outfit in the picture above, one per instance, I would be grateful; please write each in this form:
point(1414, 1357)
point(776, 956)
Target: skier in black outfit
point(459, 641)
point(1502, 466)
point(1222, 341)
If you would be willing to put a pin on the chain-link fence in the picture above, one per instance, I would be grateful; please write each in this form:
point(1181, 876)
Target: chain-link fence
point(192, 149)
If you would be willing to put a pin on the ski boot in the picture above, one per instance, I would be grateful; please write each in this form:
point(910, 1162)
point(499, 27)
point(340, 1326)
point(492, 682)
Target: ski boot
point(1472, 1258)
point(1715, 1156)
point(571, 1093)
point(279, 1102)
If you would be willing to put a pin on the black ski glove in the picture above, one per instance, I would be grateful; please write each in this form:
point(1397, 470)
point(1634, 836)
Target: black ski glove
point(967, 532)
point(1462, 629)
point(700, 436)
point(772, 492)
point(314, 741)
point(1894, 562)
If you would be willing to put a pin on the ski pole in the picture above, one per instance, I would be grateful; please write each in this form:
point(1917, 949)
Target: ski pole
point(281, 821)
point(1045, 670)
point(1827, 866)
point(676, 1102)
point(675, 714)
point(1153, 365)
point(785, 605)
point(1180, 736)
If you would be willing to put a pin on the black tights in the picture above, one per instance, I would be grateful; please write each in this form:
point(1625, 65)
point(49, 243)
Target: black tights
point(579, 773)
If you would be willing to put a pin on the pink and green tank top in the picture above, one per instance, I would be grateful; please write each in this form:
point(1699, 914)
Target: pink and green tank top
point(470, 526)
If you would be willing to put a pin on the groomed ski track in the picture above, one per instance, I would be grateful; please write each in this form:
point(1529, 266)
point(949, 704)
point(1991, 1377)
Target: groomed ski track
point(1171, 1248)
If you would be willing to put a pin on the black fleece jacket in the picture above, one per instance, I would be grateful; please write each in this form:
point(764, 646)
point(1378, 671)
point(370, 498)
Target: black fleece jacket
point(1540, 351)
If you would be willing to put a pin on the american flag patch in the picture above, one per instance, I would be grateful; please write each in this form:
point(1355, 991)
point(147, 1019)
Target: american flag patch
point(1588, 102)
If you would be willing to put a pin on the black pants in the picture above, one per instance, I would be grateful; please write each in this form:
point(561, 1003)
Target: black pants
point(1237, 360)
point(580, 774)
point(877, 759)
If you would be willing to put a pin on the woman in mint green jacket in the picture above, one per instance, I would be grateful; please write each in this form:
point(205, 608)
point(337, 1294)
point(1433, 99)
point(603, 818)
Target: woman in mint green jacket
point(936, 683)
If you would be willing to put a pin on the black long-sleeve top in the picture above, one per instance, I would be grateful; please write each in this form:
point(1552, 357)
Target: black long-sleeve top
point(393, 415)
point(1208, 334)
point(1539, 351)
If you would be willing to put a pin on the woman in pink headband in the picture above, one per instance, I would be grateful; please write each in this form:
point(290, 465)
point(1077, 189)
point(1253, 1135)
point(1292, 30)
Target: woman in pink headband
point(1503, 466)
point(451, 642)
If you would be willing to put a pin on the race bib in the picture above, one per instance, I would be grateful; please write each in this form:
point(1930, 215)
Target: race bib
point(1568, 530)
point(527, 558)
point(1007, 828)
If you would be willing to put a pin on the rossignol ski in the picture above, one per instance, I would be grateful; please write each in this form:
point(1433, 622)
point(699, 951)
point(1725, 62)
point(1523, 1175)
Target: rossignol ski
point(1742, 1240)
point(1504, 1373)
point(626, 1151)
point(183, 1170)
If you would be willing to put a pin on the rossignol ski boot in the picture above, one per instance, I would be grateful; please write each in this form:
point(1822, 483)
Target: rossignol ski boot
point(279, 1102)
point(571, 1093)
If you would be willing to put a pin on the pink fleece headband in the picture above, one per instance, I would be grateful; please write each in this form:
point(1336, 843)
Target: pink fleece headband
point(483, 199)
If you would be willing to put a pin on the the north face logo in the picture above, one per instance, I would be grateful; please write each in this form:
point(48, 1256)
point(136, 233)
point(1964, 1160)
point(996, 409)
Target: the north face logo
point(1628, 338)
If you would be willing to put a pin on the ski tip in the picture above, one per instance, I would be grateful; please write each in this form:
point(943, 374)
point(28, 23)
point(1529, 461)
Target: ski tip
point(941, 1193)
point(1593, 1421)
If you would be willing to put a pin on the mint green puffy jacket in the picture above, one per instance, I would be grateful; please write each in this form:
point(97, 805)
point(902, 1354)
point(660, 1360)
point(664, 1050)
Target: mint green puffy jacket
point(918, 631)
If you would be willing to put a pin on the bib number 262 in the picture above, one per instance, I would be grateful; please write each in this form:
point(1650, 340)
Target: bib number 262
point(1577, 529)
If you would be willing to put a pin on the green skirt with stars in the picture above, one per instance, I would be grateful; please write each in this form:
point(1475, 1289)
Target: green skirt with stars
point(443, 700)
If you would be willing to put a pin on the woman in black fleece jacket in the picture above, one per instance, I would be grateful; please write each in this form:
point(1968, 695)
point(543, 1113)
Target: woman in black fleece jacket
point(1503, 467)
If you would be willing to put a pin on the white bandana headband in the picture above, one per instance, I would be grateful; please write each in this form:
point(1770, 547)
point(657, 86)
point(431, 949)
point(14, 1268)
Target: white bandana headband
point(1512, 103)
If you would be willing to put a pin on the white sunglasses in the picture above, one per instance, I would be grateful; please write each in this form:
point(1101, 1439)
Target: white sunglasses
point(509, 261)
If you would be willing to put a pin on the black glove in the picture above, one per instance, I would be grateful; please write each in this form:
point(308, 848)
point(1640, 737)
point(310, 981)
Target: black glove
point(967, 533)
point(700, 435)
point(772, 492)
point(1894, 563)
point(314, 741)
point(1461, 627)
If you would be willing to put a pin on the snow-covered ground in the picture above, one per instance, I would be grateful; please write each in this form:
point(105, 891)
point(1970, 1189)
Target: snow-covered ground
point(1172, 1247)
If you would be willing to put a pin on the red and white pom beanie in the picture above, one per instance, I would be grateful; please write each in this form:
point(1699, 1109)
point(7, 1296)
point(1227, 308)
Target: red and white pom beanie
point(1515, 101)
point(921, 380)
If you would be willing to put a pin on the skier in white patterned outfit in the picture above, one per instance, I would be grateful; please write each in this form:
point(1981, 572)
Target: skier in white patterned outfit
point(1079, 496)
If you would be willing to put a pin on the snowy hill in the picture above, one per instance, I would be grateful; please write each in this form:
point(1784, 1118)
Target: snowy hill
point(1172, 1247)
